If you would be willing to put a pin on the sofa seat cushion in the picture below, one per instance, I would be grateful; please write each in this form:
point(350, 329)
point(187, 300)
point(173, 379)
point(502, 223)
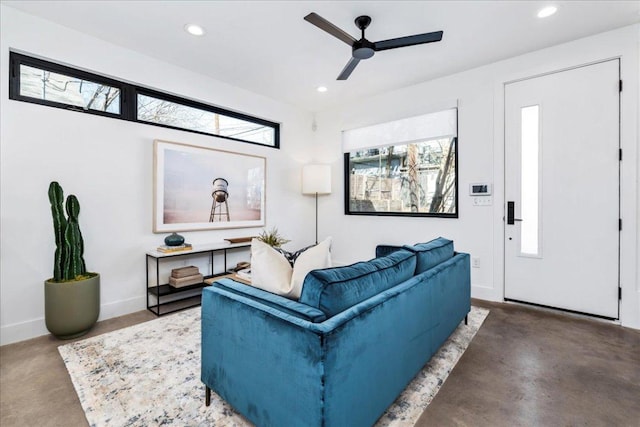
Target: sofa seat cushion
point(333, 290)
point(431, 253)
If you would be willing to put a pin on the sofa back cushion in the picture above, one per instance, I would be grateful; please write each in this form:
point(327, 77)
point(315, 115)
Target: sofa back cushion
point(333, 290)
point(431, 253)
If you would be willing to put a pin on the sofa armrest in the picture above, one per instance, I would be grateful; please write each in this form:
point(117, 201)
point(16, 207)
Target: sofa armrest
point(251, 354)
point(451, 297)
point(291, 307)
point(258, 308)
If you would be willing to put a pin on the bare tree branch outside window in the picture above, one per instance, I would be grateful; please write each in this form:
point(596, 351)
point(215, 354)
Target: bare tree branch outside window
point(50, 86)
point(417, 178)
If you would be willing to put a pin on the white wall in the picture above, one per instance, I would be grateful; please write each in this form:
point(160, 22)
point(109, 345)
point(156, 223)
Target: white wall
point(108, 164)
point(479, 230)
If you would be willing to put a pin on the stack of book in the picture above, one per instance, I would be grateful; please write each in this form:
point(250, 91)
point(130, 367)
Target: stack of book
point(185, 276)
point(245, 274)
point(169, 249)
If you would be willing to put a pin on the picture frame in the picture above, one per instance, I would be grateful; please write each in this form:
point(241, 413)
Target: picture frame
point(200, 188)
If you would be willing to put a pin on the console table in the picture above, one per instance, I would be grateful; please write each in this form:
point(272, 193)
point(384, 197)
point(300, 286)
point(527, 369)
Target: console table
point(168, 298)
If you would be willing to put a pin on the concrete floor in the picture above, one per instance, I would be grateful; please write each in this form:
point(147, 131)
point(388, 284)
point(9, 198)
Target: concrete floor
point(525, 367)
point(35, 388)
point(533, 367)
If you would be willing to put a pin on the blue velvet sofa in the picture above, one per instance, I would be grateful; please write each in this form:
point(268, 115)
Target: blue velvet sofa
point(341, 354)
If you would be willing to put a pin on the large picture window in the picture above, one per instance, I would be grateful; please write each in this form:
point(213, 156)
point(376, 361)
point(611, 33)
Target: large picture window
point(415, 176)
point(47, 83)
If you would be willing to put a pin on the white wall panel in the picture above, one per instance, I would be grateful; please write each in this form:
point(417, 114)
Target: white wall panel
point(479, 229)
point(108, 164)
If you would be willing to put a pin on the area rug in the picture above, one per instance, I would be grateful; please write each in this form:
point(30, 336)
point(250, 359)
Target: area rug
point(149, 375)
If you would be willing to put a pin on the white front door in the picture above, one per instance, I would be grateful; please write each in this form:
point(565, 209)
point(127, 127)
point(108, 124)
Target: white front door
point(562, 165)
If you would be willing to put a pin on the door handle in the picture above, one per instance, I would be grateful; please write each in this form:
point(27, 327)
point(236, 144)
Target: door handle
point(511, 207)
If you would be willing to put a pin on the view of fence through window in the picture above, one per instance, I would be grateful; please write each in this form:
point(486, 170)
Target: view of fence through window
point(160, 111)
point(50, 86)
point(414, 178)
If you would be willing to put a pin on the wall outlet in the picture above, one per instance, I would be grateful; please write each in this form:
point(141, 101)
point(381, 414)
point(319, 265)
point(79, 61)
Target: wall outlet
point(475, 262)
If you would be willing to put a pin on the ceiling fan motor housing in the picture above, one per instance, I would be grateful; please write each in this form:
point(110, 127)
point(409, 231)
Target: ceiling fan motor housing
point(363, 49)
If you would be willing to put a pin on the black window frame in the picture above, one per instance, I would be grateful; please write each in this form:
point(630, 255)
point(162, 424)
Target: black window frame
point(347, 193)
point(210, 108)
point(128, 98)
point(17, 59)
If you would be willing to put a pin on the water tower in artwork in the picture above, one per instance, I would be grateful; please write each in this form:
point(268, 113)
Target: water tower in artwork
point(220, 207)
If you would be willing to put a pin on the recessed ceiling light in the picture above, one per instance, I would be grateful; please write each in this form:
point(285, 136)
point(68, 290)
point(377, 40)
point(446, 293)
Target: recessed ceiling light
point(194, 29)
point(321, 89)
point(547, 11)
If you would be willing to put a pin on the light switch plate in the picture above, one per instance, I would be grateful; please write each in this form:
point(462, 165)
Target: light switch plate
point(483, 201)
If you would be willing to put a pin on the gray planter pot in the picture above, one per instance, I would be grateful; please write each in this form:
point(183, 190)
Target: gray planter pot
point(71, 308)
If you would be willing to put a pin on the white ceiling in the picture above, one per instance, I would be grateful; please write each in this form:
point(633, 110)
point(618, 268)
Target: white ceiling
point(267, 47)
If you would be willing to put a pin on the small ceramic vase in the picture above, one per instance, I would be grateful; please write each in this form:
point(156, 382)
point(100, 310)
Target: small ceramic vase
point(173, 240)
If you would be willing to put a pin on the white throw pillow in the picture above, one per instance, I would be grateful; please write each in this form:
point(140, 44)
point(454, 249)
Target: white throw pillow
point(271, 271)
point(316, 257)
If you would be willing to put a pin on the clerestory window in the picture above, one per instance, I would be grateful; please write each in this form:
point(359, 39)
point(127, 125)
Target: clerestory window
point(55, 85)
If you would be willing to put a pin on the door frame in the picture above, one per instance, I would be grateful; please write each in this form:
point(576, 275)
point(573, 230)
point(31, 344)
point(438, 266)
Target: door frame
point(629, 273)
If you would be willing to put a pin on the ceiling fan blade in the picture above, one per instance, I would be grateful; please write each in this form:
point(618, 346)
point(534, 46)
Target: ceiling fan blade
point(408, 41)
point(327, 26)
point(346, 71)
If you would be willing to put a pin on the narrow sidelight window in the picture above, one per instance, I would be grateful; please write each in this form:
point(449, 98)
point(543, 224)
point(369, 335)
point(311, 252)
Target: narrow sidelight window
point(529, 181)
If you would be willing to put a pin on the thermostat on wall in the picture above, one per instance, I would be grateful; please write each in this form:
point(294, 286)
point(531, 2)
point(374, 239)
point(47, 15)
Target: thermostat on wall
point(480, 189)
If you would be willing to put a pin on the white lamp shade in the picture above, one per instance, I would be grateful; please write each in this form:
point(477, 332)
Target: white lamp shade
point(316, 179)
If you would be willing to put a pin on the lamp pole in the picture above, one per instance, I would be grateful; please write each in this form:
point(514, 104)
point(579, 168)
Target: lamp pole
point(316, 179)
point(316, 217)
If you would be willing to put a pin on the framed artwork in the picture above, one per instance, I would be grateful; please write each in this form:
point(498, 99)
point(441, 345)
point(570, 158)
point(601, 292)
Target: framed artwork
point(197, 188)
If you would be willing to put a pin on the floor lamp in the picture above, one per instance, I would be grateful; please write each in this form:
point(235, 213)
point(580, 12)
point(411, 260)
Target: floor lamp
point(316, 179)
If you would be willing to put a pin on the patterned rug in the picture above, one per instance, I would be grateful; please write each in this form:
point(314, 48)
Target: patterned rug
point(149, 375)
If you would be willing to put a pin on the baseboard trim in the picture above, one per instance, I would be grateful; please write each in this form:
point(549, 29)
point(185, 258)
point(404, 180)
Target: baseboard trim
point(122, 307)
point(484, 292)
point(34, 328)
point(22, 331)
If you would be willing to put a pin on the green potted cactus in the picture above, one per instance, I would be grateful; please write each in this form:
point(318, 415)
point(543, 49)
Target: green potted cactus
point(72, 295)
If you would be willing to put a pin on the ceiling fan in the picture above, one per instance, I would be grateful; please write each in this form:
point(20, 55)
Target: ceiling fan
point(363, 48)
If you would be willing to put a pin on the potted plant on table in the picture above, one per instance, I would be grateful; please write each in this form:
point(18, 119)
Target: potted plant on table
point(273, 238)
point(72, 295)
